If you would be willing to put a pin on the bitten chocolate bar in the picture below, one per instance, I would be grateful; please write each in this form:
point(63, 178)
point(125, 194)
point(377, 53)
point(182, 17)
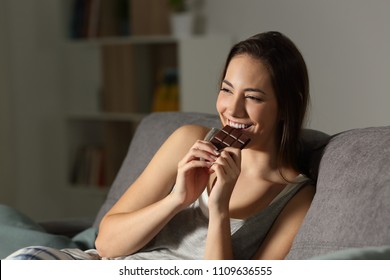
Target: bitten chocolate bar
point(229, 137)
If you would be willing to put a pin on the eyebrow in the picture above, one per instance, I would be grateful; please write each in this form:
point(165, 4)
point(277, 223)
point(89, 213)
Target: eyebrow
point(247, 89)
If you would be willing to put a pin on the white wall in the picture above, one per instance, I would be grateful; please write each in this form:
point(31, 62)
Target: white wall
point(31, 45)
point(345, 43)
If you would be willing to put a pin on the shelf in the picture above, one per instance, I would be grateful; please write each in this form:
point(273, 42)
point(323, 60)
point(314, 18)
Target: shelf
point(128, 40)
point(106, 117)
point(96, 147)
point(117, 78)
point(139, 40)
point(109, 85)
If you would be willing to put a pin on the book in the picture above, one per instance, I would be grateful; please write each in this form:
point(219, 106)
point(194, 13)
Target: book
point(149, 17)
point(118, 88)
point(99, 18)
point(89, 168)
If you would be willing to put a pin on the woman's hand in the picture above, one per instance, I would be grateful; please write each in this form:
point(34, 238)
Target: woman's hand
point(194, 172)
point(227, 169)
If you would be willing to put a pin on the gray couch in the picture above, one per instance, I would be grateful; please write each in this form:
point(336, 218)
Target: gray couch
point(350, 214)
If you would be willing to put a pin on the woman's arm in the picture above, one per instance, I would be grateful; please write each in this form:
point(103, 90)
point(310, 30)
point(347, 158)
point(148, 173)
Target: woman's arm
point(227, 168)
point(280, 238)
point(148, 204)
point(219, 243)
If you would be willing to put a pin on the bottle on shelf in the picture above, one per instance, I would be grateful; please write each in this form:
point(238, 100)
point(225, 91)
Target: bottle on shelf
point(166, 95)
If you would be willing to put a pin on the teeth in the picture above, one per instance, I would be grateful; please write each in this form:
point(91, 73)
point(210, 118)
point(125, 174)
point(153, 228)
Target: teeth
point(238, 125)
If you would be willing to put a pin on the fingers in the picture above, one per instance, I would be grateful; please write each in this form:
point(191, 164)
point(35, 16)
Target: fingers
point(206, 146)
point(195, 163)
point(230, 157)
point(227, 169)
point(201, 150)
point(204, 154)
point(228, 163)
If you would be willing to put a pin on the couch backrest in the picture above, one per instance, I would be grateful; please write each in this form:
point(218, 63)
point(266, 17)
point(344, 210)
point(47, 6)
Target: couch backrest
point(156, 127)
point(351, 207)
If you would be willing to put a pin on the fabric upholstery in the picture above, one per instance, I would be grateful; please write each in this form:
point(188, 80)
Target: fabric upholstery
point(17, 230)
point(351, 207)
point(364, 253)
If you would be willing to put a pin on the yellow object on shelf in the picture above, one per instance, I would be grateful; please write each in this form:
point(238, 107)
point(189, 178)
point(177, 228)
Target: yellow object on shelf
point(166, 95)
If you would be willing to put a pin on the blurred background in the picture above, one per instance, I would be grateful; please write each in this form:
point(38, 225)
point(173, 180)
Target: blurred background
point(76, 77)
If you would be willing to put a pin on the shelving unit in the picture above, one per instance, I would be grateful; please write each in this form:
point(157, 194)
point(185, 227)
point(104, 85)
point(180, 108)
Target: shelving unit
point(110, 85)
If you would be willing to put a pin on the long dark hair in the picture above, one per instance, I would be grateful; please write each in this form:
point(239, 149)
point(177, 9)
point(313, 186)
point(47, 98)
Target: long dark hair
point(289, 77)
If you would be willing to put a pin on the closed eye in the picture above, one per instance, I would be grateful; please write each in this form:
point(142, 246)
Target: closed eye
point(254, 98)
point(225, 90)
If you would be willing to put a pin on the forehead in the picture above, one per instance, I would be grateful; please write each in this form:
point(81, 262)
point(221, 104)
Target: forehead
point(247, 63)
point(244, 68)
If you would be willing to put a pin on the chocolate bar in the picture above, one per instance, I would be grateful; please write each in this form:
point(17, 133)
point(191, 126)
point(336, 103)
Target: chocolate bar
point(229, 137)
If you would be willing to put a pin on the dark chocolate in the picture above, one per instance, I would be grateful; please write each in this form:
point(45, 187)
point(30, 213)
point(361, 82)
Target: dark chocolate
point(229, 137)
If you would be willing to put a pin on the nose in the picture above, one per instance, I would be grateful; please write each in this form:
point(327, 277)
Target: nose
point(236, 106)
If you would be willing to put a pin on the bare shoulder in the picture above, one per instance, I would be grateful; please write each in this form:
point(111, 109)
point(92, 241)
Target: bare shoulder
point(185, 136)
point(176, 146)
point(191, 131)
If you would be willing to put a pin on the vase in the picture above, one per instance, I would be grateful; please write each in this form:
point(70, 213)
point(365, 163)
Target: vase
point(182, 24)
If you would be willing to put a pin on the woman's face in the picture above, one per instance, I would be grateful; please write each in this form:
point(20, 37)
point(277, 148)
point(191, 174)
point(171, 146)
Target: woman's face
point(247, 100)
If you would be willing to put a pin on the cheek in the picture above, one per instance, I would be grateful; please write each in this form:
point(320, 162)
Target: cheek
point(256, 111)
point(263, 114)
point(221, 103)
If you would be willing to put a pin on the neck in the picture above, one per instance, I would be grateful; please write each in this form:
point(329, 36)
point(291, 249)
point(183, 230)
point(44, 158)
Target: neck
point(264, 165)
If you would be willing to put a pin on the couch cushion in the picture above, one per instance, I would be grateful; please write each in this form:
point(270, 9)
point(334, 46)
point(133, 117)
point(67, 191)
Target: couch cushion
point(363, 253)
point(17, 230)
point(351, 207)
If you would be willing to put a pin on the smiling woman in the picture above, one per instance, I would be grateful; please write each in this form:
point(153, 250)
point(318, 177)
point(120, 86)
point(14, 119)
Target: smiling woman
point(285, 69)
point(195, 201)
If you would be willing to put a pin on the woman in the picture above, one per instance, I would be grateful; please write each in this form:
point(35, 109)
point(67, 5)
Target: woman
point(193, 201)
